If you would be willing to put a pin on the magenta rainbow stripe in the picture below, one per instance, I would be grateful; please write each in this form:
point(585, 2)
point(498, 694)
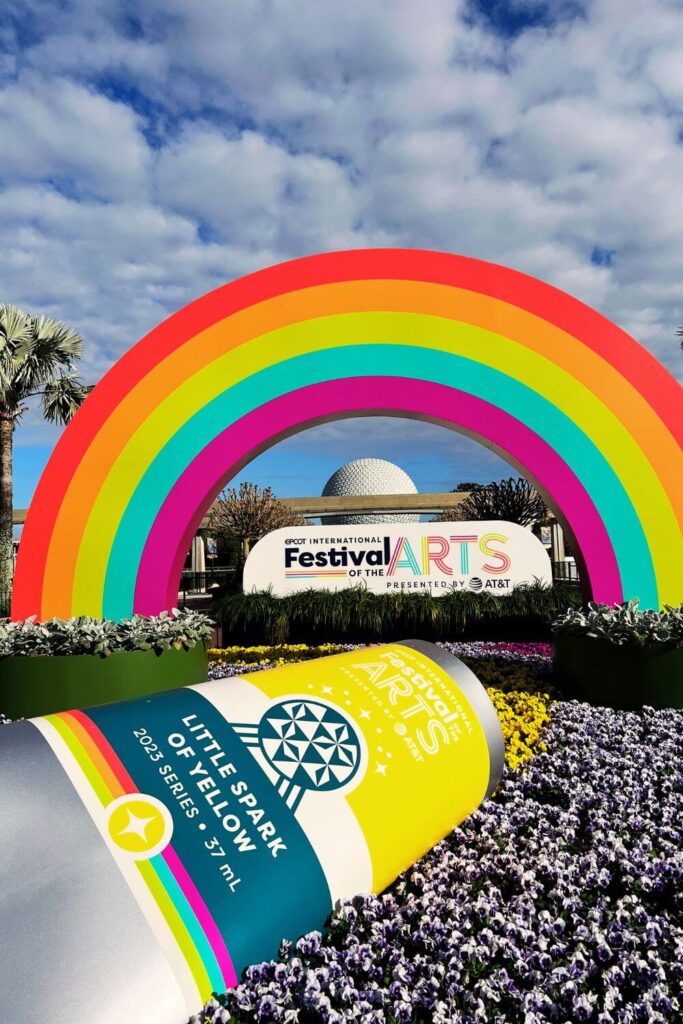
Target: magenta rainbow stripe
point(203, 915)
point(199, 484)
point(600, 401)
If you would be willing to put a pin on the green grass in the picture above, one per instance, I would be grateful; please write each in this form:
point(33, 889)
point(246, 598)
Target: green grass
point(357, 615)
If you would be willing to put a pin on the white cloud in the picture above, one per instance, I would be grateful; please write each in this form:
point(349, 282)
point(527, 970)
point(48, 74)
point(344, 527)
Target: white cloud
point(51, 128)
point(253, 189)
point(113, 271)
point(150, 157)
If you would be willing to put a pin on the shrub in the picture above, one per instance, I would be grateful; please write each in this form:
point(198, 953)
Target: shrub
point(169, 631)
point(623, 624)
point(358, 615)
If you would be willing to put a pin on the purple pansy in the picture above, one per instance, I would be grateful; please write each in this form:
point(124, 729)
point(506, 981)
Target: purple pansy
point(560, 899)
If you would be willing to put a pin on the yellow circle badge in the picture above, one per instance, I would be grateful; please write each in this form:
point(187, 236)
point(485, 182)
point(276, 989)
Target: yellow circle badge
point(139, 824)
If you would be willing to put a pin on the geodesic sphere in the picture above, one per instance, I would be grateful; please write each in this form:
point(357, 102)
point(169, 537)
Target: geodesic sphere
point(369, 476)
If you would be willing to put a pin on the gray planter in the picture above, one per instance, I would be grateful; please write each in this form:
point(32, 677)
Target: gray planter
point(41, 685)
point(625, 677)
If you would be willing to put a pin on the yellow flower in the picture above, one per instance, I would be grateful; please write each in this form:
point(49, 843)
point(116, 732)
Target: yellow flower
point(523, 718)
point(267, 654)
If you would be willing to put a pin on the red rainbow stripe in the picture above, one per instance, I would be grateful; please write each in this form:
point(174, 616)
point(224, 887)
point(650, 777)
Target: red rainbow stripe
point(627, 405)
point(105, 768)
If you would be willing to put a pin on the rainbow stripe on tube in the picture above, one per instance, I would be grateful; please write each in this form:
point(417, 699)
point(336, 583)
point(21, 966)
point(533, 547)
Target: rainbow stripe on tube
point(239, 811)
point(203, 963)
point(569, 398)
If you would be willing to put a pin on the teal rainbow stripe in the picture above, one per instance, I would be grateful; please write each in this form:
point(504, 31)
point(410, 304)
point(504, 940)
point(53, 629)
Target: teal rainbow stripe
point(561, 433)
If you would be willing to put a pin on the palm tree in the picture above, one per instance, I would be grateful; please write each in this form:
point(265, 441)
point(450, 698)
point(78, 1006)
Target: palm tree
point(37, 359)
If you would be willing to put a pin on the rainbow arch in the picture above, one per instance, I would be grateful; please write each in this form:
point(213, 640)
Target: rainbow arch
point(566, 396)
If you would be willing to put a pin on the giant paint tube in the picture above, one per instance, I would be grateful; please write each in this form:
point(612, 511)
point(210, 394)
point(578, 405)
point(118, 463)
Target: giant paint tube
point(151, 849)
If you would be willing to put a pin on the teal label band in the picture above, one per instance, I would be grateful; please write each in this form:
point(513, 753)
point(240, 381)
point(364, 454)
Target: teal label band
point(233, 833)
point(238, 811)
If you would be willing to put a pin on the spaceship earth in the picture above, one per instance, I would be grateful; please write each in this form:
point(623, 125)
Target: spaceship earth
point(369, 476)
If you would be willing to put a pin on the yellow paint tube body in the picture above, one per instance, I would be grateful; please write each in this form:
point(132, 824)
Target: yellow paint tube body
point(192, 830)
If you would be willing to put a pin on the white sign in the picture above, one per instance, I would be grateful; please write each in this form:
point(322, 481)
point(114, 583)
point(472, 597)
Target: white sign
point(419, 558)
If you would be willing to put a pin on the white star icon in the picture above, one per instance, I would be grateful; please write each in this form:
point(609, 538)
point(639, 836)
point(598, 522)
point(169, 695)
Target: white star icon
point(136, 825)
point(365, 714)
point(381, 769)
point(327, 689)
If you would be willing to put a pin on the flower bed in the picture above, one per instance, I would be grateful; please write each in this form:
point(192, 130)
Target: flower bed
point(524, 718)
point(559, 900)
point(273, 654)
point(537, 654)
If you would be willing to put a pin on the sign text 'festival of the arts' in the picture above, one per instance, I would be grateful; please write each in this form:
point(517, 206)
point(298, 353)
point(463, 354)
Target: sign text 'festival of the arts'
point(427, 557)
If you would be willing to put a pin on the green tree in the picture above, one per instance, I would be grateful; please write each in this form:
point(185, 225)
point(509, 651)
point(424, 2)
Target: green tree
point(250, 514)
point(512, 500)
point(466, 485)
point(38, 358)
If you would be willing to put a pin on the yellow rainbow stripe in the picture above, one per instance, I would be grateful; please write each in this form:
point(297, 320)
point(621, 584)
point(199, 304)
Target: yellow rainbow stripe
point(101, 778)
point(588, 415)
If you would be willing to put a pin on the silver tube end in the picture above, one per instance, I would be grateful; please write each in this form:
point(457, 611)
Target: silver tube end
point(477, 696)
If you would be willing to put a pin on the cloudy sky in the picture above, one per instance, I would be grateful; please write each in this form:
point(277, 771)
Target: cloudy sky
point(154, 150)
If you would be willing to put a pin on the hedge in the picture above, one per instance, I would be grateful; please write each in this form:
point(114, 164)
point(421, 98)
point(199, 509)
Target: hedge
point(357, 615)
point(178, 630)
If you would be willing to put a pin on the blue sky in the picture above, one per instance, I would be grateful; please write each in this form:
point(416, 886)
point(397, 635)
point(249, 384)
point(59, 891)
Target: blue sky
point(435, 458)
point(152, 151)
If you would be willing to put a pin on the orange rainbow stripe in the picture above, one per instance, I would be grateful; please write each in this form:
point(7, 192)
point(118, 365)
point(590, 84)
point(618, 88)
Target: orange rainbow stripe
point(188, 923)
point(566, 396)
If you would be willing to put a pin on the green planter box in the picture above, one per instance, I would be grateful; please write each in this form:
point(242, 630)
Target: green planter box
point(622, 677)
point(40, 686)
